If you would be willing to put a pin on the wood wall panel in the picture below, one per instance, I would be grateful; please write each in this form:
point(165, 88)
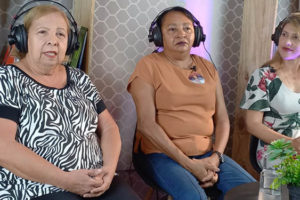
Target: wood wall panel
point(256, 46)
point(83, 12)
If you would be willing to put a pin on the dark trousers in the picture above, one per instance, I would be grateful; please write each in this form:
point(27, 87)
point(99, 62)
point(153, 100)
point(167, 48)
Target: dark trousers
point(119, 189)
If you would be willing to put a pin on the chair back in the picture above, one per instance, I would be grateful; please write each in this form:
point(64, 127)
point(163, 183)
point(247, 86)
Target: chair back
point(141, 164)
point(252, 153)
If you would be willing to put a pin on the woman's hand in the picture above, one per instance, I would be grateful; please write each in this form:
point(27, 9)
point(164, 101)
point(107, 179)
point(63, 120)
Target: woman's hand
point(104, 177)
point(296, 144)
point(209, 183)
point(81, 181)
point(212, 176)
point(201, 169)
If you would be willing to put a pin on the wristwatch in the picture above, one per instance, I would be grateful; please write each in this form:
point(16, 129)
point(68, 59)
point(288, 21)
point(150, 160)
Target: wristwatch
point(220, 155)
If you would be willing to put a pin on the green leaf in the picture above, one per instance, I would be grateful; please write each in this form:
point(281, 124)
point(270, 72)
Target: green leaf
point(288, 132)
point(253, 88)
point(272, 114)
point(259, 105)
point(252, 96)
point(274, 87)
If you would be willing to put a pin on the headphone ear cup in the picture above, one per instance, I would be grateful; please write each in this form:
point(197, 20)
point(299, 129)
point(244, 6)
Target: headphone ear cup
point(157, 37)
point(18, 37)
point(197, 39)
point(199, 35)
point(73, 43)
point(275, 36)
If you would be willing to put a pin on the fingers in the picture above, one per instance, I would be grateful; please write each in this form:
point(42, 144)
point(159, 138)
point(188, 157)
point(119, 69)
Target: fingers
point(104, 181)
point(90, 195)
point(207, 184)
point(94, 172)
point(100, 189)
point(211, 182)
point(211, 167)
point(208, 177)
point(296, 144)
point(97, 191)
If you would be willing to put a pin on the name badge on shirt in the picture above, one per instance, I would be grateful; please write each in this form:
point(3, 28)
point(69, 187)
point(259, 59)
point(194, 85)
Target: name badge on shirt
point(196, 78)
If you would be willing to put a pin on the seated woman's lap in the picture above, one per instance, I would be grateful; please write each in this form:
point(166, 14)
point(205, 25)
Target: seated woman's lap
point(173, 178)
point(231, 175)
point(177, 181)
point(118, 190)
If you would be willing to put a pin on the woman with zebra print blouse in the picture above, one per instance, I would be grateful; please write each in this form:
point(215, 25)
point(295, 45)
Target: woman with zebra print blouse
point(57, 139)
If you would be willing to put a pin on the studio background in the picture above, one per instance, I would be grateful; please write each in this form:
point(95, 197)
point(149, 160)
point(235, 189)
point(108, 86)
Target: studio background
point(120, 40)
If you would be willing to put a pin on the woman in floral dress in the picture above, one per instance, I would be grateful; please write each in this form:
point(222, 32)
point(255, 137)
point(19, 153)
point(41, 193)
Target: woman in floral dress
point(272, 96)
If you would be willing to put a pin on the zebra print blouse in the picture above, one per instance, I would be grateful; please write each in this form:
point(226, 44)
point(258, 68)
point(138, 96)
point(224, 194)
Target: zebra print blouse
point(57, 124)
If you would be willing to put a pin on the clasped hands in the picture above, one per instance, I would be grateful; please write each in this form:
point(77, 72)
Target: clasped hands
point(89, 183)
point(205, 170)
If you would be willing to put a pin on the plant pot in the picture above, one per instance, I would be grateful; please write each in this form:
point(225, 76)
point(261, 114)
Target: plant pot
point(294, 192)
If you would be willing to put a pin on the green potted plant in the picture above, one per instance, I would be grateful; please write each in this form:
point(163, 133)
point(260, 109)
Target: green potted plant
point(288, 169)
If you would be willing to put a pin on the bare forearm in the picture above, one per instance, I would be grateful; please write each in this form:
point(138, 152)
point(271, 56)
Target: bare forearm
point(255, 126)
point(265, 133)
point(25, 163)
point(162, 142)
point(111, 147)
point(221, 136)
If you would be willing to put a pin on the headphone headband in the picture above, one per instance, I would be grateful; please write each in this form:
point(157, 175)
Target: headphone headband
point(155, 34)
point(278, 30)
point(18, 34)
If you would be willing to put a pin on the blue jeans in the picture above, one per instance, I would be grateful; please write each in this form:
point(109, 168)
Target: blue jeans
point(181, 184)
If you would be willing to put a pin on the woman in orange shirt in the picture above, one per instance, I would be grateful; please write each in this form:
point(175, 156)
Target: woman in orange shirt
point(180, 106)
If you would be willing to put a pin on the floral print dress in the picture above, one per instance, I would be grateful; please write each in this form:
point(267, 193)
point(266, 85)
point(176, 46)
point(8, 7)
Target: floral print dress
point(266, 93)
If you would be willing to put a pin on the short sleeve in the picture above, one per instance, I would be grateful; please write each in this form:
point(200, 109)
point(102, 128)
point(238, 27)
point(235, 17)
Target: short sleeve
point(256, 93)
point(92, 94)
point(9, 95)
point(145, 69)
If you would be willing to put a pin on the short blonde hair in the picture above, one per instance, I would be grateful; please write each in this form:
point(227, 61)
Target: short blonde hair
point(293, 19)
point(36, 13)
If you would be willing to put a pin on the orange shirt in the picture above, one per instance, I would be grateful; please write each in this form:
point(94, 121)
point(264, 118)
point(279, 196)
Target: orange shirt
point(183, 109)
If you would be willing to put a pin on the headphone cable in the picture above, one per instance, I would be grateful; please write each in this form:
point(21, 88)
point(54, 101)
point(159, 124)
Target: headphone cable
point(209, 56)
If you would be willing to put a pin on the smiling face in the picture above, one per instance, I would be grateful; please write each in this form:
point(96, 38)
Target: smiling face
point(47, 40)
point(289, 42)
point(177, 32)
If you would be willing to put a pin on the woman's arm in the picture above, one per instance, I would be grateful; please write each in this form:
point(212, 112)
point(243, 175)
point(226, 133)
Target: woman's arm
point(221, 130)
point(143, 96)
point(24, 163)
point(255, 126)
point(110, 143)
point(221, 121)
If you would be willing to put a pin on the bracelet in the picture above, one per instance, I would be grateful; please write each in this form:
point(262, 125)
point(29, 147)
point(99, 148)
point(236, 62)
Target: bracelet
point(220, 155)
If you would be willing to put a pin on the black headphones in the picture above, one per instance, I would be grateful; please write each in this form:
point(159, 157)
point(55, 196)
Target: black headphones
point(18, 33)
point(155, 31)
point(276, 35)
point(278, 30)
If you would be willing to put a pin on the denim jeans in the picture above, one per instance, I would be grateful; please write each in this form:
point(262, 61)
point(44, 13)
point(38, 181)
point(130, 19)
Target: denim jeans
point(182, 185)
